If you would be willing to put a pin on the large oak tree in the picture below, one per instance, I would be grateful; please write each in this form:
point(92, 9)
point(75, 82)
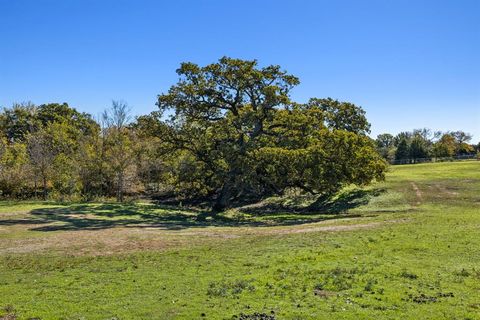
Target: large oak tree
point(235, 132)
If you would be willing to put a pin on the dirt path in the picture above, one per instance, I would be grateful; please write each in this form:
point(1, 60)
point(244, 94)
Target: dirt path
point(131, 239)
point(418, 193)
point(443, 190)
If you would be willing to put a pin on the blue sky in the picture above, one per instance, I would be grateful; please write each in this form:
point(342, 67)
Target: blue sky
point(408, 63)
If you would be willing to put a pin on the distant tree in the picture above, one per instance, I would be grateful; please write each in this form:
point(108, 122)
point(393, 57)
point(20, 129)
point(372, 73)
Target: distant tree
point(154, 164)
point(118, 141)
point(41, 153)
point(14, 170)
point(386, 145)
point(96, 177)
point(445, 146)
point(385, 140)
point(461, 136)
point(18, 121)
point(418, 148)
point(25, 118)
point(462, 142)
point(437, 135)
point(402, 152)
point(78, 123)
point(407, 136)
point(64, 140)
point(424, 133)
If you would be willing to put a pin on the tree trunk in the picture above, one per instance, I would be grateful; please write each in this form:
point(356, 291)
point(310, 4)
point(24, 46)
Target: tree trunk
point(224, 197)
point(120, 187)
point(44, 188)
point(35, 186)
point(227, 192)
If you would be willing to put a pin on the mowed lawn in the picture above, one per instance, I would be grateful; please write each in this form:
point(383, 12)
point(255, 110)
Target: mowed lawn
point(407, 248)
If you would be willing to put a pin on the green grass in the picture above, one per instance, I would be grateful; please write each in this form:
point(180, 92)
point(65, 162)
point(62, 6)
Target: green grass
point(416, 257)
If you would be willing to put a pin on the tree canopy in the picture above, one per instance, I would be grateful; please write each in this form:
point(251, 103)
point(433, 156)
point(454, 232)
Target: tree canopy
point(239, 134)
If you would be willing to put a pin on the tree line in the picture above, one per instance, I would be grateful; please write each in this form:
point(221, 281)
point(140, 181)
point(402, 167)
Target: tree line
point(425, 144)
point(225, 132)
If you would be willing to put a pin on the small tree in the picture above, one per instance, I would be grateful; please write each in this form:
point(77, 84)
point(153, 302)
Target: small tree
point(42, 155)
point(445, 146)
point(402, 152)
point(462, 140)
point(385, 145)
point(118, 142)
point(14, 169)
point(418, 148)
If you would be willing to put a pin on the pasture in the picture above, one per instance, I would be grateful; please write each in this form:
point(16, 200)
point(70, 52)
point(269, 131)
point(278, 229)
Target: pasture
point(406, 248)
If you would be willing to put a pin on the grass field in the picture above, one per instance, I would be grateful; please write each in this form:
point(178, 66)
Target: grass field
point(407, 248)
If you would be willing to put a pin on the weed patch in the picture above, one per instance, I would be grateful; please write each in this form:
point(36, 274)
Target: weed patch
point(232, 288)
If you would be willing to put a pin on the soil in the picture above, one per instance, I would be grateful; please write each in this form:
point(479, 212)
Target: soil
point(124, 239)
point(418, 194)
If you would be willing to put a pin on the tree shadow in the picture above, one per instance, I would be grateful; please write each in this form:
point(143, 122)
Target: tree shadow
point(161, 216)
point(111, 215)
point(345, 201)
point(337, 205)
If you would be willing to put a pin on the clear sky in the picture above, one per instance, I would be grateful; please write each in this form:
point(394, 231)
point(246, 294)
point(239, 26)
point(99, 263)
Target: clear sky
point(408, 63)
